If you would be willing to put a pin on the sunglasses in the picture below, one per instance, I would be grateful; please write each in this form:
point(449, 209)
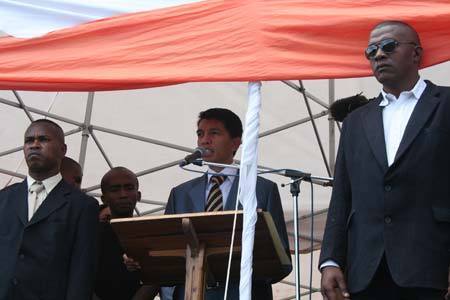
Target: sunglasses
point(386, 45)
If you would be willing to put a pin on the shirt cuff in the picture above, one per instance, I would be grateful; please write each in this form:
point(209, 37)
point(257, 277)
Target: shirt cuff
point(328, 263)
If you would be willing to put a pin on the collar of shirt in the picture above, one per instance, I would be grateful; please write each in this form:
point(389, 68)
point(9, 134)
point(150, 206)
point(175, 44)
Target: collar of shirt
point(416, 91)
point(49, 183)
point(229, 172)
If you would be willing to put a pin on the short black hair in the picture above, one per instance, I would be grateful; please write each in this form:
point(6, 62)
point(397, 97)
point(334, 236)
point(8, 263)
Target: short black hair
point(401, 24)
point(59, 130)
point(104, 182)
point(230, 120)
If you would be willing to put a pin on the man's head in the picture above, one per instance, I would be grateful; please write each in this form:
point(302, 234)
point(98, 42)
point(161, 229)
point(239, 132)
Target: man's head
point(395, 53)
point(219, 130)
point(120, 191)
point(71, 172)
point(44, 148)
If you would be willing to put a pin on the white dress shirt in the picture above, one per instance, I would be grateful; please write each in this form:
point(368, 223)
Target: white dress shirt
point(49, 185)
point(225, 187)
point(396, 114)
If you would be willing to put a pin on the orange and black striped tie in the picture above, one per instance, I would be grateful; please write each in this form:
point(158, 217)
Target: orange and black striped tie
point(215, 198)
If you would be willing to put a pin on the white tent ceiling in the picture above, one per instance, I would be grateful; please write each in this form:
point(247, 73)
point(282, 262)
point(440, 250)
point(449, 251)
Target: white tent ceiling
point(169, 114)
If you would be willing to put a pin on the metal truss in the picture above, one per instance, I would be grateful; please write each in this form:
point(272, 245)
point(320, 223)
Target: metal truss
point(88, 130)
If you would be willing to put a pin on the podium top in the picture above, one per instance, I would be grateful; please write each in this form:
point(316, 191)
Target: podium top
point(159, 244)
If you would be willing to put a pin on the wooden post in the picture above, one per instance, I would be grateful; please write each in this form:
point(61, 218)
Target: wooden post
point(195, 263)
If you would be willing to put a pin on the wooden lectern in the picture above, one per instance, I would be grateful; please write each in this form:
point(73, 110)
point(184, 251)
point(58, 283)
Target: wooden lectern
point(192, 249)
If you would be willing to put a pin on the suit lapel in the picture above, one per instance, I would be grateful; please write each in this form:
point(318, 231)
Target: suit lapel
point(421, 113)
point(230, 203)
point(21, 203)
point(54, 200)
point(373, 127)
point(197, 194)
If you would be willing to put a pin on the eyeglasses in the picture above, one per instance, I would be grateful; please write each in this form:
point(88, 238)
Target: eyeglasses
point(386, 45)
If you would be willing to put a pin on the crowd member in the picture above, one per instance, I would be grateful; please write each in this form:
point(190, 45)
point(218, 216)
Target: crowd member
point(388, 226)
point(219, 131)
point(71, 172)
point(120, 192)
point(47, 228)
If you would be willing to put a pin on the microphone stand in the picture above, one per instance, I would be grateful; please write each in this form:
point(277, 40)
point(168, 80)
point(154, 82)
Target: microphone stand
point(296, 178)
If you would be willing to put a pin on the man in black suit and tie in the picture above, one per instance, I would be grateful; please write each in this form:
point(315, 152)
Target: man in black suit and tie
point(388, 226)
point(47, 227)
point(219, 131)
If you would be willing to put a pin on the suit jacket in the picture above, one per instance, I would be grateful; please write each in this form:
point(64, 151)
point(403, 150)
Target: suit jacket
point(401, 211)
point(53, 255)
point(113, 281)
point(190, 197)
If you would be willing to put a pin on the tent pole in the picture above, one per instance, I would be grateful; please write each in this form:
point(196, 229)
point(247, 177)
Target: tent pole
point(316, 131)
point(41, 112)
point(85, 133)
point(331, 135)
point(22, 105)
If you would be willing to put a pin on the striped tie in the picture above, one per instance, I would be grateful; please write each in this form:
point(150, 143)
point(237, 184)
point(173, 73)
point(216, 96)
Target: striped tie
point(215, 199)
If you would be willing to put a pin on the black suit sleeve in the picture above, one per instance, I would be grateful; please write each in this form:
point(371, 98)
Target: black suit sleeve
point(334, 244)
point(83, 257)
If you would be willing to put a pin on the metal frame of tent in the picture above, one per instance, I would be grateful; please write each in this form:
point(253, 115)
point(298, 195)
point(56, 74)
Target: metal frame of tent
point(87, 129)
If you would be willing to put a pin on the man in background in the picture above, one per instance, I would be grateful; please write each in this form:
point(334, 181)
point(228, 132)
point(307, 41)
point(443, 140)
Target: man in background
point(71, 172)
point(120, 192)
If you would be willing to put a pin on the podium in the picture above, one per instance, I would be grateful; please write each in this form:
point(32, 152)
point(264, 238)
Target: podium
point(193, 249)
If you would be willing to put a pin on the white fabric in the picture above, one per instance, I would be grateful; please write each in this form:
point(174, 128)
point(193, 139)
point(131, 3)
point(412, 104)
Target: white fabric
point(31, 18)
point(247, 187)
point(396, 114)
point(328, 263)
point(35, 202)
point(225, 187)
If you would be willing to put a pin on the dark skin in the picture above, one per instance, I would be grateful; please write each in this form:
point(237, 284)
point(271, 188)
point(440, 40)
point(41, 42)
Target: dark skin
point(121, 193)
point(71, 172)
point(44, 150)
point(397, 72)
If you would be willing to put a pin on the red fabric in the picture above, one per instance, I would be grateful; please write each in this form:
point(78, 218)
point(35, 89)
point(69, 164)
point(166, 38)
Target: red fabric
point(216, 40)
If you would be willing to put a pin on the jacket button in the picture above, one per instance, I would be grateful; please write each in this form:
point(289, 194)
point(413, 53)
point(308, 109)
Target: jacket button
point(21, 256)
point(387, 220)
point(387, 188)
point(15, 281)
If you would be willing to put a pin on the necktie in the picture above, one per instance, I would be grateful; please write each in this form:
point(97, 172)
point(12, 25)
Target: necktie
point(215, 199)
point(36, 188)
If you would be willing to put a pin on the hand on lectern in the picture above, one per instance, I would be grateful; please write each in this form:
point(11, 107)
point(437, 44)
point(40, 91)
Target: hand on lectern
point(130, 263)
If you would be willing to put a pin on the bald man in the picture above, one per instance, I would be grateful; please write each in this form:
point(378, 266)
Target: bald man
point(71, 172)
point(388, 226)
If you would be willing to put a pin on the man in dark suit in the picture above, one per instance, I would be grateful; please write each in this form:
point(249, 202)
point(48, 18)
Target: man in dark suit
point(388, 226)
point(219, 131)
point(47, 227)
point(120, 191)
point(71, 172)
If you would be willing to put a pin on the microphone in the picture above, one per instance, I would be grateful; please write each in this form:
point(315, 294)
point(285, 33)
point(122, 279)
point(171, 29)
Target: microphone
point(199, 152)
point(342, 107)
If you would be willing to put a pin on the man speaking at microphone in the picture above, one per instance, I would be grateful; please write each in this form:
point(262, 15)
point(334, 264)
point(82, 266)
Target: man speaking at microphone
point(219, 133)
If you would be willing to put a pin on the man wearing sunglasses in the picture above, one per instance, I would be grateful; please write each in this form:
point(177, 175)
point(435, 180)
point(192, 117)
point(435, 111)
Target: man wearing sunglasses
point(388, 226)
